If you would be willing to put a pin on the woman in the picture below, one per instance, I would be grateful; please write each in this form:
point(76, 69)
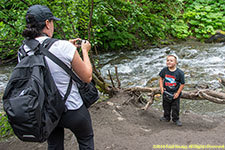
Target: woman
point(40, 26)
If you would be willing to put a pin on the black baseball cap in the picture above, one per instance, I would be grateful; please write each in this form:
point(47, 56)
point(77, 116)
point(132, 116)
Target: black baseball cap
point(40, 13)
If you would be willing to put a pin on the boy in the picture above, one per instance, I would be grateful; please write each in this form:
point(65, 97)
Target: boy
point(171, 84)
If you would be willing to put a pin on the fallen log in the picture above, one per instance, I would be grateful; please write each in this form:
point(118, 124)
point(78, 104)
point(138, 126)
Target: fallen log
point(205, 94)
point(221, 79)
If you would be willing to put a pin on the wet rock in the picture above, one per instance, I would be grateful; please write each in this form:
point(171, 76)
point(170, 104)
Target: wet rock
point(217, 38)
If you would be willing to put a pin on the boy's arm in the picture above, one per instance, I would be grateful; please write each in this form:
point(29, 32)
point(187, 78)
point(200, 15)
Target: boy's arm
point(178, 91)
point(161, 85)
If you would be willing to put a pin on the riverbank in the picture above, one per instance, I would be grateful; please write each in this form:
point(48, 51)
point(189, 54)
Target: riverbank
point(119, 126)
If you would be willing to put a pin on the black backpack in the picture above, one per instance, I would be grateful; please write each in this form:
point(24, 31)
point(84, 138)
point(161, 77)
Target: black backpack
point(31, 99)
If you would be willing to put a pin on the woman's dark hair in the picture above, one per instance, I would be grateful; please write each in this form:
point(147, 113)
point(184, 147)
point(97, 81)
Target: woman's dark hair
point(33, 28)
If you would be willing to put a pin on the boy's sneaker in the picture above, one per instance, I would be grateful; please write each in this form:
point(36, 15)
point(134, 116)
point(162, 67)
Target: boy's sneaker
point(163, 119)
point(178, 123)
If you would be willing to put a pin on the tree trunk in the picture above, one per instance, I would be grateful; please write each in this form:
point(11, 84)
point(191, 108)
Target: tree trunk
point(205, 94)
point(103, 86)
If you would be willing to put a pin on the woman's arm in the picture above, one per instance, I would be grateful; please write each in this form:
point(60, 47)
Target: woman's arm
point(83, 68)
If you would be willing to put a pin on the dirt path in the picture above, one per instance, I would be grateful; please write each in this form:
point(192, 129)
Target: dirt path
point(127, 127)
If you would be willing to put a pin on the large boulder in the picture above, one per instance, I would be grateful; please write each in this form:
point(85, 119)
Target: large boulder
point(217, 38)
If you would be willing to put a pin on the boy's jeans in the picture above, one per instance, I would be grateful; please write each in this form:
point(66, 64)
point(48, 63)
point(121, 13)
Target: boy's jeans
point(173, 106)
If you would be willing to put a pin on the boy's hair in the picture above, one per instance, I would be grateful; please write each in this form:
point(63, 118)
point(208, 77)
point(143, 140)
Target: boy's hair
point(175, 56)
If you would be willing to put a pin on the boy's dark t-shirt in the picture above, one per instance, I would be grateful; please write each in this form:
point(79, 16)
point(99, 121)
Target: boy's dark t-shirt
point(172, 80)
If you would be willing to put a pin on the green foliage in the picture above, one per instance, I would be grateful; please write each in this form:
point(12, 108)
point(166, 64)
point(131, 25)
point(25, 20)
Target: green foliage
point(124, 24)
point(116, 24)
point(11, 25)
point(74, 15)
point(74, 18)
point(5, 128)
point(111, 31)
point(204, 17)
point(180, 29)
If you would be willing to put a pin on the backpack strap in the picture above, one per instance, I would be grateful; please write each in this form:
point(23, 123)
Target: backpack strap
point(32, 44)
point(63, 66)
point(47, 43)
point(21, 53)
point(43, 48)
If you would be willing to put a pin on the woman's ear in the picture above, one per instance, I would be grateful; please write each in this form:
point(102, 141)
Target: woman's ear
point(47, 24)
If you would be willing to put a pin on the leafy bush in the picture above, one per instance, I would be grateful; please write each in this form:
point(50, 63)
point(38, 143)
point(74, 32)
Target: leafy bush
point(110, 30)
point(121, 24)
point(204, 17)
point(116, 24)
point(5, 128)
point(180, 29)
point(11, 25)
point(12, 21)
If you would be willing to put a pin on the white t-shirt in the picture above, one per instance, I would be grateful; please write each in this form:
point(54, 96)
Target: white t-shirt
point(65, 51)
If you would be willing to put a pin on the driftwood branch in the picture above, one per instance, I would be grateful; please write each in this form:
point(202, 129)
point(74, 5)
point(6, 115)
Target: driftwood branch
point(150, 102)
point(117, 77)
point(111, 79)
point(221, 80)
point(205, 94)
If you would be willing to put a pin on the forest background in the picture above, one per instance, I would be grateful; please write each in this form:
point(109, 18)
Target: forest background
point(116, 24)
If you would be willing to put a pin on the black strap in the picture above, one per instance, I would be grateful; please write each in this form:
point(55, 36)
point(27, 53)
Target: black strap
point(62, 65)
point(68, 90)
point(47, 43)
point(44, 47)
point(22, 53)
point(32, 44)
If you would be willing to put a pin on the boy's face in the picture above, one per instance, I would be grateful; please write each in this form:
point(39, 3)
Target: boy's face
point(171, 62)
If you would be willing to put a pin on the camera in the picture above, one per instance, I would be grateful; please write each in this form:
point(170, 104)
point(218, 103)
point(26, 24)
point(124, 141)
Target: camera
point(78, 42)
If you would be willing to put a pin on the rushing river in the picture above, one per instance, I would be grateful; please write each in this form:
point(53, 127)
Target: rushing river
point(201, 63)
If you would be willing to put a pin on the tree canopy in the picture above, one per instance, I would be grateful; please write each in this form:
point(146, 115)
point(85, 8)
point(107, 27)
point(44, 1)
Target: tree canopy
point(116, 24)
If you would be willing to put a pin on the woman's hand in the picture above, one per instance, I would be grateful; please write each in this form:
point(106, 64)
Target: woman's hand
point(83, 67)
point(74, 42)
point(85, 45)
